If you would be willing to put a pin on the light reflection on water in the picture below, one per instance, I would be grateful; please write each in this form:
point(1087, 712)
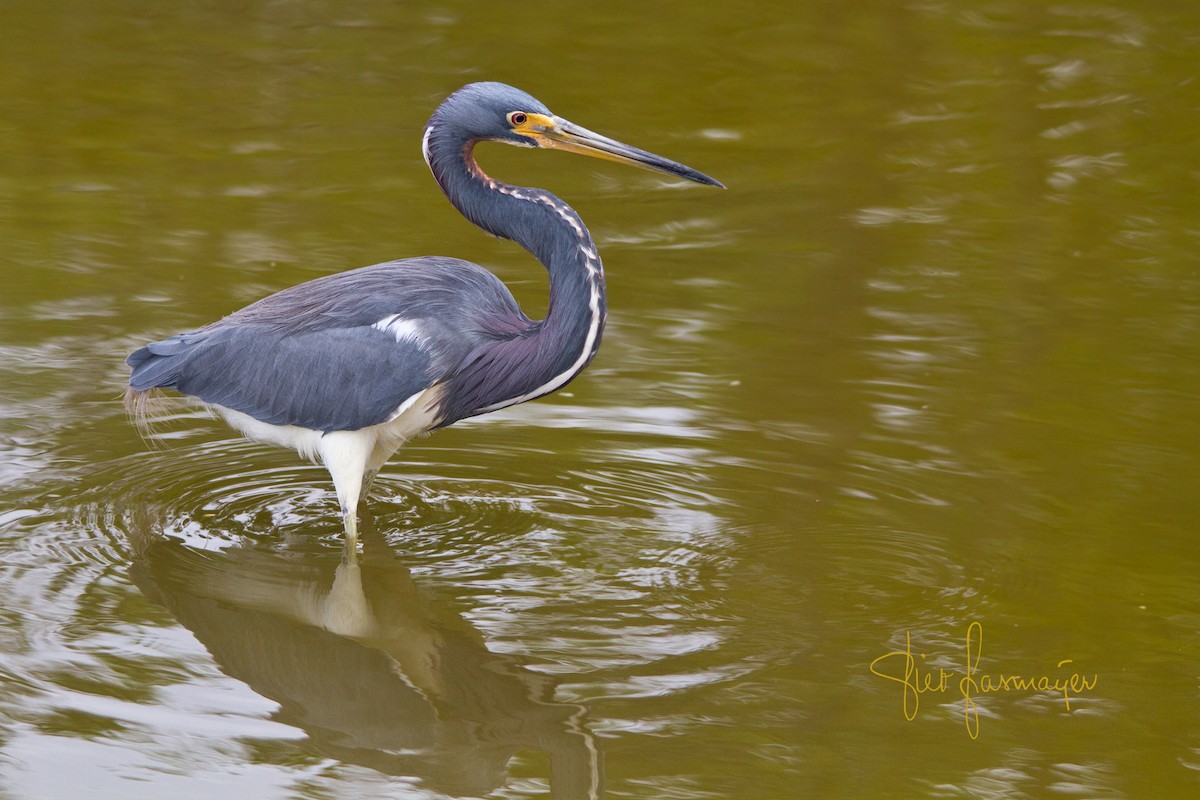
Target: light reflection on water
point(374, 672)
point(434, 661)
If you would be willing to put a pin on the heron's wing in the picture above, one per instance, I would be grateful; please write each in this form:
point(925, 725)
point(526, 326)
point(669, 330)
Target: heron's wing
point(332, 379)
point(339, 353)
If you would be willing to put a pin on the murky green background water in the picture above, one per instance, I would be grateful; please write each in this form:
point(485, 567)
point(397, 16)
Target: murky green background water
point(931, 360)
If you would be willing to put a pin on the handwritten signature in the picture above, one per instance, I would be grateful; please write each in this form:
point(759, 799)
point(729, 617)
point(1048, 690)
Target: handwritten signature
point(972, 684)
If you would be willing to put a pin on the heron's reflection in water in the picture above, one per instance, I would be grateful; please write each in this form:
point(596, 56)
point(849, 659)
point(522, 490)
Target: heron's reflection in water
point(373, 670)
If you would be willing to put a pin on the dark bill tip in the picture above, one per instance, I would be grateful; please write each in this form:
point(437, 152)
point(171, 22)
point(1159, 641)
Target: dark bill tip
point(577, 139)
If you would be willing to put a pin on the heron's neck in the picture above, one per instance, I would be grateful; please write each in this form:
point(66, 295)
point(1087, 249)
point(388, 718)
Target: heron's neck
point(552, 352)
point(533, 218)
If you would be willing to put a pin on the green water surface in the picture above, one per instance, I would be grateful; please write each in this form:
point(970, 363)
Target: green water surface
point(919, 391)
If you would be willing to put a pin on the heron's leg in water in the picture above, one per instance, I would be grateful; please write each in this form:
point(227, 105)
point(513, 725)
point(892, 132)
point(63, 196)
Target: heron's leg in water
point(350, 548)
point(384, 449)
point(345, 454)
point(350, 520)
point(368, 479)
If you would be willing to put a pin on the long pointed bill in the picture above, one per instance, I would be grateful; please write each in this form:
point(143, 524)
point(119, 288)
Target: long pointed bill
point(558, 133)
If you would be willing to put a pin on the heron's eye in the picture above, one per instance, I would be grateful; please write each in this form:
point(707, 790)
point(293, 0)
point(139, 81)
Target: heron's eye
point(517, 118)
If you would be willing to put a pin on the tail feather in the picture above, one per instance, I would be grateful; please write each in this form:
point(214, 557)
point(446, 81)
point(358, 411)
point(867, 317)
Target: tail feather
point(154, 367)
point(150, 371)
point(159, 364)
point(145, 407)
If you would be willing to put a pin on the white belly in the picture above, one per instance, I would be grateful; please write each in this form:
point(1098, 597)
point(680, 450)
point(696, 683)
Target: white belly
point(339, 450)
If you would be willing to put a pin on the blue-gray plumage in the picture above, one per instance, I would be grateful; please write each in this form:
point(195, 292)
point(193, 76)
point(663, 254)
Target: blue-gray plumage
point(248, 360)
point(347, 367)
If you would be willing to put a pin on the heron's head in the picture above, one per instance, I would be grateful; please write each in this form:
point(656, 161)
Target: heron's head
point(485, 111)
point(498, 112)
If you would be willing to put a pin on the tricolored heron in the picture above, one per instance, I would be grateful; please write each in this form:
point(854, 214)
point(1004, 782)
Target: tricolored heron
point(348, 367)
